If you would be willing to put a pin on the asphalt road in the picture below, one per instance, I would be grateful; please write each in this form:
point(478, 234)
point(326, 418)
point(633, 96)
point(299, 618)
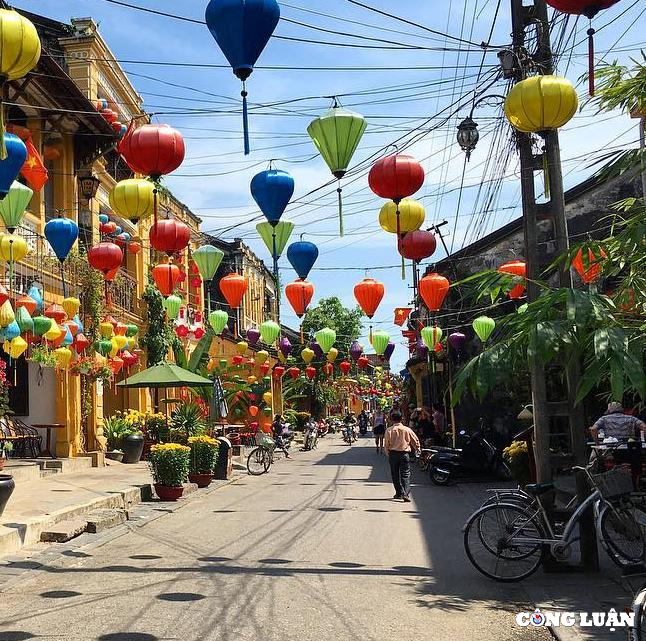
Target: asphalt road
point(316, 549)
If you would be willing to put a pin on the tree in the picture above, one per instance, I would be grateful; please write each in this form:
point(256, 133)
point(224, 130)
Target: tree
point(331, 313)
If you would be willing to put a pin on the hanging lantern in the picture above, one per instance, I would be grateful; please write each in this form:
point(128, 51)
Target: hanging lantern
point(172, 305)
point(169, 236)
point(131, 330)
point(417, 245)
point(369, 294)
point(269, 332)
point(13, 248)
point(13, 152)
point(517, 268)
point(218, 320)
point(363, 362)
point(278, 372)
point(120, 329)
point(17, 347)
point(72, 326)
point(11, 331)
point(56, 312)
point(388, 352)
point(590, 272)
point(24, 300)
point(71, 306)
point(336, 134)
point(380, 340)
point(433, 289)
point(355, 351)
point(325, 338)
point(61, 234)
point(81, 343)
point(133, 199)
point(6, 314)
point(431, 336)
point(302, 255)
point(152, 150)
point(294, 372)
point(307, 355)
point(396, 177)
point(109, 228)
point(458, 341)
point(128, 358)
point(166, 277)
point(116, 364)
point(242, 347)
point(253, 335)
point(275, 236)
point(105, 257)
point(272, 190)
point(316, 348)
point(540, 103)
point(42, 324)
point(120, 342)
point(207, 259)
point(411, 216)
point(63, 356)
point(242, 30)
point(24, 320)
point(54, 332)
point(134, 248)
point(261, 357)
point(483, 327)
point(332, 354)
point(299, 293)
point(233, 287)
point(13, 205)
point(328, 369)
point(310, 372)
point(345, 367)
point(284, 346)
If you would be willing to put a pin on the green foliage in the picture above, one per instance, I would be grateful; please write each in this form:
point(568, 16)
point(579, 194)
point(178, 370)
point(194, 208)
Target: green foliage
point(187, 420)
point(169, 464)
point(331, 313)
point(114, 429)
point(204, 454)
point(42, 355)
point(160, 335)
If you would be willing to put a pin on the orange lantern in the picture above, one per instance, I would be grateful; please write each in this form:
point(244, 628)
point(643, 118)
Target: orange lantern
point(515, 268)
point(369, 293)
point(433, 289)
point(299, 294)
point(233, 287)
point(166, 277)
point(593, 270)
point(253, 410)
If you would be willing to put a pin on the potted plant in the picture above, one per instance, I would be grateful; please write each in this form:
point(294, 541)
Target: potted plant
point(5, 448)
point(517, 459)
point(132, 445)
point(187, 420)
point(114, 428)
point(204, 454)
point(169, 464)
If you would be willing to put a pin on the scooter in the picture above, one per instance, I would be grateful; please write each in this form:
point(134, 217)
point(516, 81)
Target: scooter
point(349, 434)
point(477, 458)
point(311, 436)
point(322, 429)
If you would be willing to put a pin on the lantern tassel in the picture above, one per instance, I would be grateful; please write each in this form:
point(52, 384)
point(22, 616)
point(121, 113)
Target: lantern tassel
point(302, 340)
point(155, 204)
point(546, 176)
point(398, 239)
point(63, 280)
point(591, 61)
point(339, 191)
point(370, 336)
point(245, 119)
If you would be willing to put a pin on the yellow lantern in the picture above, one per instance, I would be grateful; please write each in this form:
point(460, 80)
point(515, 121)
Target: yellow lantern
point(106, 330)
point(267, 398)
point(115, 347)
point(307, 355)
point(13, 248)
point(332, 354)
point(17, 347)
point(19, 45)
point(251, 379)
point(6, 314)
point(261, 357)
point(100, 360)
point(281, 357)
point(411, 216)
point(540, 103)
point(71, 305)
point(133, 199)
point(121, 341)
point(53, 332)
point(242, 347)
point(63, 356)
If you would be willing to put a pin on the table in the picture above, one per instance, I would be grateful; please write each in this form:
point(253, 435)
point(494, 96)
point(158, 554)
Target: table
point(49, 427)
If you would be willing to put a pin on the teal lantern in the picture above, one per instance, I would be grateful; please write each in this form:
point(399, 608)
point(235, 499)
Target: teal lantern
point(269, 332)
point(325, 338)
point(24, 320)
point(218, 320)
point(172, 305)
point(13, 205)
point(483, 327)
point(380, 340)
point(431, 336)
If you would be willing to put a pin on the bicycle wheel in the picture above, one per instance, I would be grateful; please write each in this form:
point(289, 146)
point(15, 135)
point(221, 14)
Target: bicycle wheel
point(638, 630)
point(622, 535)
point(258, 461)
point(497, 541)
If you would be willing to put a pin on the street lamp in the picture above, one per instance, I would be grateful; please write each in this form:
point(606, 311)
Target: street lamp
point(468, 135)
point(88, 184)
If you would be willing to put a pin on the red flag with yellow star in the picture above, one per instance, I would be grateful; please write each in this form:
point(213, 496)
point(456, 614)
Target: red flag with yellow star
point(33, 171)
point(401, 314)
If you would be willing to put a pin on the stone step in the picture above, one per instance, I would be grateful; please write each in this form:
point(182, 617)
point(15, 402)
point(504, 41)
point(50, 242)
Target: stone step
point(22, 471)
point(63, 531)
point(101, 520)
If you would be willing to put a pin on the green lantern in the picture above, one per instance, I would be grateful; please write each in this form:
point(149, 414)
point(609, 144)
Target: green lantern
point(223, 363)
point(325, 338)
point(218, 320)
point(337, 134)
point(483, 327)
point(132, 330)
point(283, 231)
point(42, 324)
point(24, 320)
point(208, 259)
point(269, 332)
point(172, 305)
point(380, 340)
point(13, 205)
point(431, 336)
point(103, 347)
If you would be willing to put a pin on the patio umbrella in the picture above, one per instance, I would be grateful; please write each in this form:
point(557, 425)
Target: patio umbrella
point(219, 408)
point(165, 375)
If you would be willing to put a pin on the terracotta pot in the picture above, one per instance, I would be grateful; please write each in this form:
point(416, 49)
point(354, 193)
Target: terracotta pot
point(6, 490)
point(201, 480)
point(168, 492)
point(114, 456)
point(234, 437)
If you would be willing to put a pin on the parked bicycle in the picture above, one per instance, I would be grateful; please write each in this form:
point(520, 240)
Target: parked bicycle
point(262, 457)
point(507, 540)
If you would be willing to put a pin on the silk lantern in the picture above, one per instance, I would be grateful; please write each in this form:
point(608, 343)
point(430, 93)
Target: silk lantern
point(388, 352)
point(61, 234)
point(380, 340)
point(285, 346)
point(152, 150)
point(316, 348)
point(411, 216)
point(431, 336)
point(63, 356)
point(272, 190)
point(81, 343)
point(363, 362)
point(17, 347)
point(267, 397)
point(19, 44)
point(310, 372)
point(328, 369)
point(278, 372)
point(369, 294)
point(261, 357)
point(307, 355)
point(71, 306)
point(13, 205)
point(345, 367)
point(169, 236)
point(42, 324)
point(6, 314)
point(355, 350)
point(253, 335)
point(336, 134)
point(218, 320)
point(105, 257)
point(13, 152)
point(325, 338)
point(22, 301)
point(242, 29)
point(590, 271)
point(417, 245)
point(483, 327)
point(332, 354)
point(172, 305)
point(458, 341)
point(56, 312)
point(517, 268)
point(24, 320)
point(433, 289)
point(233, 287)
point(208, 259)
point(396, 177)
point(294, 372)
point(275, 236)
point(53, 332)
point(166, 277)
point(133, 199)
point(269, 332)
point(12, 330)
point(299, 293)
point(302, 255)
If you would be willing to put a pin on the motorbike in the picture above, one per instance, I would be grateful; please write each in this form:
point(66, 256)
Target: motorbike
point(349, 434)
point(322, 429)
point(477, 458)
point(311, 436)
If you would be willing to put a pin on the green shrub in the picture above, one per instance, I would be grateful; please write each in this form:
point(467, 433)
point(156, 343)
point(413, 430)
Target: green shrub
point(204, 454)
point(169, 463)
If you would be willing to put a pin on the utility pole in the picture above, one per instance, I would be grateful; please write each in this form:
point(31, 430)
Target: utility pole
point(549, 410)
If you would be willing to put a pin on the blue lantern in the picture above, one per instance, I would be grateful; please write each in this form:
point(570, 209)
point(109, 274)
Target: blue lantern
point(242, 29)
point(103, 219)
point(125, 236)
point(81, 328)
point(61, 234)
point(68, 339)
point(272, 190)
point(302, 255)
point(11, 331)
point(10, 167)
point(34, 292)
point(117, 231)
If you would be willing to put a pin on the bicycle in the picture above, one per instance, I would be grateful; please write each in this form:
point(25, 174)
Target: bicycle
point(514, 535)
point(262, 457)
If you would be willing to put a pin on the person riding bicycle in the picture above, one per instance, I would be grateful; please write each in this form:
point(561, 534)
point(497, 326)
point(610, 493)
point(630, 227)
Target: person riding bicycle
point(280, 431)
point(363, 422)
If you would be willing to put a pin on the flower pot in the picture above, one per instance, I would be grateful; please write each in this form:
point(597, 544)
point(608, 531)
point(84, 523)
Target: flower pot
point(168, 492)
point(133, 447)
point(234, 438)
point(201, 480)
point(6, 490)
point(2, 460)
point(115, 455)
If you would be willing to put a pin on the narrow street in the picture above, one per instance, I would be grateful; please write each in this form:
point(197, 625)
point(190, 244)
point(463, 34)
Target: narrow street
point(315, 549)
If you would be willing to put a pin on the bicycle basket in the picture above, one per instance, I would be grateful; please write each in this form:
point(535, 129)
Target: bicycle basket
point(264, 439)
point(615, 482)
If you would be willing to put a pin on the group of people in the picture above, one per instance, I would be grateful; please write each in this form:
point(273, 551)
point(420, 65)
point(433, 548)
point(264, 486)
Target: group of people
point(429, 424)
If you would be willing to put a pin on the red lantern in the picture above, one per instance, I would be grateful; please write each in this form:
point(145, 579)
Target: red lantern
point(294, 372)
point(396, 177)
point(81, 343)
point(417, 245)
point(593, 270)
point(369, 293)
point(134, 247)
point(328, 369)
point(108, 228)
point(233, 288)
point(28, 300)
point(166, 277)
point(120, 329)
point(22, 301)
point(199, 332)
point(345, 367)
point(299, 294)
point(264, 368)
point(129, 359)
point(362, 362)
point(433, 289)
point(310, 372)
point(169, 236)
point(153, 150)
point(279, 370)
point(587, 8)
point(105, 257)
point(116, 364)
point(236, 360)
point(182, 331)
point(253, 410)
point(515, 268)
point(73, 327)
point(56, 312)
point(196, 282)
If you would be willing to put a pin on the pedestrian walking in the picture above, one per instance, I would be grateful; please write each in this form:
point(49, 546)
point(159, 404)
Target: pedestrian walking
point(379, 429)
point(400, 441)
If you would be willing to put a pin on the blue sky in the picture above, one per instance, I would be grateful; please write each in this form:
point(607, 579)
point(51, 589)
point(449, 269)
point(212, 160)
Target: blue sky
point(397, 90)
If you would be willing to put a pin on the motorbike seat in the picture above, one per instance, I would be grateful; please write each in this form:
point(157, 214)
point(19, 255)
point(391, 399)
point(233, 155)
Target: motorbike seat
point(536, 489)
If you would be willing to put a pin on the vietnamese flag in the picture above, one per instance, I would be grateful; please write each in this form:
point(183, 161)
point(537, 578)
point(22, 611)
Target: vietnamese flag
point(33, 171)
point(401, 314)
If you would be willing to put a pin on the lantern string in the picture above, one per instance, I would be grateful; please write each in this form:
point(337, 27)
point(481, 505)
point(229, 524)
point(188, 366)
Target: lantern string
point(3, 91)
point(339, 191)
point(63, 280)
point(591, 33)
point(546, 175)
point(245, 119)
